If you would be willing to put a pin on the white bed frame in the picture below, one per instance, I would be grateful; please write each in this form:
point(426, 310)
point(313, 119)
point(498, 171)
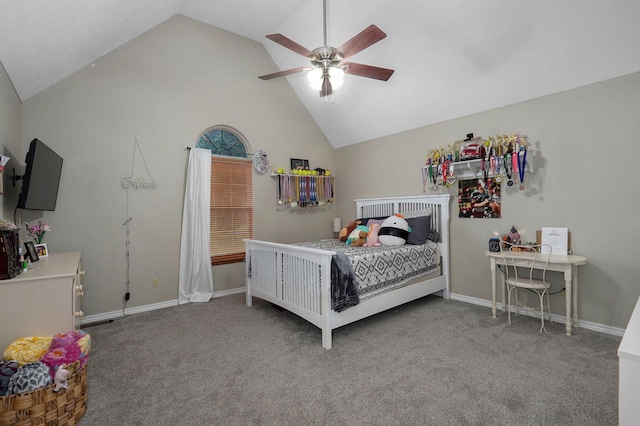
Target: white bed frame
point(299, 279)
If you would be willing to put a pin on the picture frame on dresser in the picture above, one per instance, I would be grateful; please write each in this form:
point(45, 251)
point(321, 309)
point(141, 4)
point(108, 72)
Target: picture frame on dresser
point(32, 253)
point(41, 250)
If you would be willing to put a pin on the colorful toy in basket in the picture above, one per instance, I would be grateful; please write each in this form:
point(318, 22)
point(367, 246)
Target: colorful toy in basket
point(60, 379)
point(394, 231)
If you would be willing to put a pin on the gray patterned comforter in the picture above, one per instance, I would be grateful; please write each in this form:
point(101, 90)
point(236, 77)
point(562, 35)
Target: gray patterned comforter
point(379, 269)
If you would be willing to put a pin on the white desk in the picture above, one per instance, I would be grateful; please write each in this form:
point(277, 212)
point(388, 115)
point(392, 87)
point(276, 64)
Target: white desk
point(567, 264)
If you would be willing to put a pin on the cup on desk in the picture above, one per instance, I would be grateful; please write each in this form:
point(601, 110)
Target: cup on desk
point(494, 244)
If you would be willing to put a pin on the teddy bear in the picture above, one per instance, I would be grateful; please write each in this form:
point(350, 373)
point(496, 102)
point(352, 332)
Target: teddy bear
point(360, 241)
point(372, 238)
point(358, 236)
point(394, 231)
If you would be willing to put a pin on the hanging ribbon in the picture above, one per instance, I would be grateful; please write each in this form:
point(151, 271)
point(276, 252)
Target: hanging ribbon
point(444, 172)
point(507, 159)
point(425, 177)
point(522, 161)
point(432, 178)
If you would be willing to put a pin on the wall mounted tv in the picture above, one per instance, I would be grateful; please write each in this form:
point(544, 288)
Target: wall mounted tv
point(41, 178)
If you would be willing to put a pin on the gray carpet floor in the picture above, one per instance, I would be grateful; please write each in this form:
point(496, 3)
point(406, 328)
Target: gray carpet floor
point(429, 362)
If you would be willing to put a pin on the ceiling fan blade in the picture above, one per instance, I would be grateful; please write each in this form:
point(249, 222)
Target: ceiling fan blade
point(368, 71)
point(283, 73)
point(290, 44)
point(361, 41)
point(326, 87)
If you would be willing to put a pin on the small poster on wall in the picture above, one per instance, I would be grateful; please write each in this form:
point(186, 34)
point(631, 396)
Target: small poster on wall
point(479, 198)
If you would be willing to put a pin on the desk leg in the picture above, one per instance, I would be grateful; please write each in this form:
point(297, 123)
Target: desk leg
point(503, 287)
point(493, 287)
point(575, 295)
point(568, 296)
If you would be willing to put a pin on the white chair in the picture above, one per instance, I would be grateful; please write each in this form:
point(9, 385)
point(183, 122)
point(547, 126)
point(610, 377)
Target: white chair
point(526, 268)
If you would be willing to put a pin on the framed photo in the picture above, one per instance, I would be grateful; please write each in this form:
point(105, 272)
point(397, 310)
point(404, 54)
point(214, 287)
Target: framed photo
point(298, 164)
point(32, 254)
point(478, 198)
point(41, 249)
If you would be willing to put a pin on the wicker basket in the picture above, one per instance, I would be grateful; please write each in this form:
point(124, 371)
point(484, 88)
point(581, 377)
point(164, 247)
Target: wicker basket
point(43, 406)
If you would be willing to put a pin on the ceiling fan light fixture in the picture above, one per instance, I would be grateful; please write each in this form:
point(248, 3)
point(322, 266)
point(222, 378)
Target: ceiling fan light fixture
point(315, 78)
point(337, 77)
point(327, 69)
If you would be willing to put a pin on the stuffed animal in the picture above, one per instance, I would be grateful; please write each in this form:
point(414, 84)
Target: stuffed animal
point(358, 236)
point(360, 241)
point(394, 231)
point(347, 230)
point(60, 379)
point(372, 238)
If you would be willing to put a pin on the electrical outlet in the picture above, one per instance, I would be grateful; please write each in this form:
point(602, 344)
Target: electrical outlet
point(155, 282)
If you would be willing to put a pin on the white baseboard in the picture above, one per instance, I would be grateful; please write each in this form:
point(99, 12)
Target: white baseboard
point(107, 316)
point(228, 292)
point(556, 318)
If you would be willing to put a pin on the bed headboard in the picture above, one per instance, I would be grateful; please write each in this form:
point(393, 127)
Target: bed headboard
point(378, 207)
point(439, 205)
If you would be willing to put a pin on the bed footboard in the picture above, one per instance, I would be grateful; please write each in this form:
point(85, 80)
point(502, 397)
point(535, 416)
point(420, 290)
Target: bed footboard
point(295, 278)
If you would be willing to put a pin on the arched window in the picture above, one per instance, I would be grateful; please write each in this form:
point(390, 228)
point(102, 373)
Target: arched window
point(223, 140)
point(231, 193)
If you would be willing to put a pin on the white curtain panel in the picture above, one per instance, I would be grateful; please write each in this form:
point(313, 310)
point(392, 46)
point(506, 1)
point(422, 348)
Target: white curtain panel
point(196, 276)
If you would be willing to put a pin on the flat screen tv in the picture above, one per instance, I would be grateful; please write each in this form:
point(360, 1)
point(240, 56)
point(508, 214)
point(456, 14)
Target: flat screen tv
point(41, 178)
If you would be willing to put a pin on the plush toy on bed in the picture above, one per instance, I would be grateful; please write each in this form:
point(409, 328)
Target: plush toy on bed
point(372, 238)
point(347, 230)
point(394, 231)
point(360, 241)
point(358, 237)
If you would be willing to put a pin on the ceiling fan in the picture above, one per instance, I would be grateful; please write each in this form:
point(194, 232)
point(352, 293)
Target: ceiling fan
point(327, 62)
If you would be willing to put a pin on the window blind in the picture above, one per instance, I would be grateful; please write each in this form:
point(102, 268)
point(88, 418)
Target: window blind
point(231, 208)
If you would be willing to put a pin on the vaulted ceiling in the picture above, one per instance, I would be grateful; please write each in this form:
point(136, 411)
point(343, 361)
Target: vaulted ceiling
point(451, 57)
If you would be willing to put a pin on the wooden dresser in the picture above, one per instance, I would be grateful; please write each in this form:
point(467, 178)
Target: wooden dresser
point(42, 301)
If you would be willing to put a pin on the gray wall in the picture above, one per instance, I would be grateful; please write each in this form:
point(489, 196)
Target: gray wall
point(9, 139)
point(586, 153)
point(163, 88)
